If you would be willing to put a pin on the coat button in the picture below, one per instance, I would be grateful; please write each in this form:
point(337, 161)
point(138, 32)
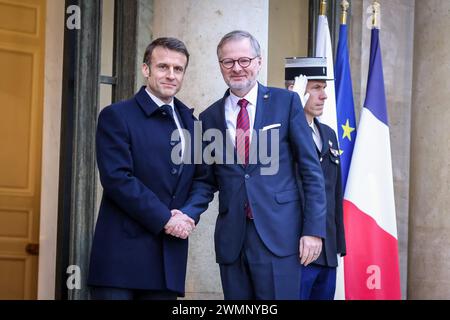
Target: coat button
point(247, 176)
point(173, 171)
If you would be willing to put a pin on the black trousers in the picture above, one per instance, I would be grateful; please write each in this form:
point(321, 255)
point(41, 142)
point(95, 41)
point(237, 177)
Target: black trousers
point(110, 293)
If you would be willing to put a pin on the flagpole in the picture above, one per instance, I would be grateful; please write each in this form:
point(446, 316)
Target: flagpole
point(323, 8)
point(376, 8)
point(345, 118)
point(344, 6)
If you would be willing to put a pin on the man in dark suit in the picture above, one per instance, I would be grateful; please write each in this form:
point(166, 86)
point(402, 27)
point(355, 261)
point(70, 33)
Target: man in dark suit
point(319, 278)
point(262, 233)
point(133, 255)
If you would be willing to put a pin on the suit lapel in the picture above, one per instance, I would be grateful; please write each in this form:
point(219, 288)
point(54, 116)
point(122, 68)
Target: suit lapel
point(324, 137)
point(146, 103)
point(185, 114)
point(221, 120)
point(262, 110)
point(221, 124)
point(261, 107)
point(187, 119)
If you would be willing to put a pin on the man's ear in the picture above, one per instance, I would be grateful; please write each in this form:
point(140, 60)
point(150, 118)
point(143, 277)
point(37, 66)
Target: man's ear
point(145, 70)
point(259, 59)
point(290, 87)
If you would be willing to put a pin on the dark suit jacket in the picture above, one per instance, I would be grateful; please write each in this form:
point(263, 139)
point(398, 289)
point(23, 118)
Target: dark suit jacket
point(140, 186)
point(334, 243)
point(274, 199)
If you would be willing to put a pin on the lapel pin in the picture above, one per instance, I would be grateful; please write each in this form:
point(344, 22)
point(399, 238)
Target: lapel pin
point(330, 143)
point(266, 96)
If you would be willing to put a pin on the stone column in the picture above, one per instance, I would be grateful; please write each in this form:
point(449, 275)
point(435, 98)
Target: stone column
point(201, 24)
point(429, 240)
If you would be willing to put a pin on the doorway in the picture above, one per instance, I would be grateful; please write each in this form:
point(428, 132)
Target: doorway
point(22, 43)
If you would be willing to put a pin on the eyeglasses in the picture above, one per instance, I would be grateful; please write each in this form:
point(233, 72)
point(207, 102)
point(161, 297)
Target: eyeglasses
point(244, 62)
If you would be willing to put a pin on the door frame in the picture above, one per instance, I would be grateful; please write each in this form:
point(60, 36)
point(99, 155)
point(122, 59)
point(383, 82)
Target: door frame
point(80, 106)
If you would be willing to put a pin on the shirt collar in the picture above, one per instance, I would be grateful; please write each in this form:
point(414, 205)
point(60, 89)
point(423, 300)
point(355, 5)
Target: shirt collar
point(251, 97)
point(157, 100)
point(313, 127)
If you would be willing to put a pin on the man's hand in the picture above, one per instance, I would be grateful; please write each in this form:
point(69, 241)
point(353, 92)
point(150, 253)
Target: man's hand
point(179, 225)
point(309, 249)
point(300, 87)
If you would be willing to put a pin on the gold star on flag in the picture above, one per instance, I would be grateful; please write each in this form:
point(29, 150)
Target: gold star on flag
point(347, 131)
point(341, 152)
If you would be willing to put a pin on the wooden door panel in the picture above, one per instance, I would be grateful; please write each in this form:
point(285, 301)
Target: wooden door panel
point(14, 223)
point(22, 26)
point(12, 270)
point(15, 110)
point(18, 17)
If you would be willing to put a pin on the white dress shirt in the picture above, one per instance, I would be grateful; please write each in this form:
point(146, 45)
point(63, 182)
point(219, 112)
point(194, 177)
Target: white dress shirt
point(316, 135)
point(160, 103)
point(232, 110)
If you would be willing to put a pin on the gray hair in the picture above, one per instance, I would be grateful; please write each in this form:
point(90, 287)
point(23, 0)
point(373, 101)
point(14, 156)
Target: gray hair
point(237, 35)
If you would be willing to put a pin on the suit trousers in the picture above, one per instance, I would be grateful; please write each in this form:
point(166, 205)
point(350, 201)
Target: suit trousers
point(259, 274)
point(110, 293)
point(318, 282)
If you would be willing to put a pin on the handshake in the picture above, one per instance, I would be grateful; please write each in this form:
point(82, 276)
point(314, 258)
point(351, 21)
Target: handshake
point(179, 225)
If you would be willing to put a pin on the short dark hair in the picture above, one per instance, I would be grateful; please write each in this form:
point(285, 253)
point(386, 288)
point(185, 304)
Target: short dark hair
point(168, 43)
point(237, 35)
point(288, 83)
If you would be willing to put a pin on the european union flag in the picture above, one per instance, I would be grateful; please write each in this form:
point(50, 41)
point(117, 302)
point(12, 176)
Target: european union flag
point(344, 104)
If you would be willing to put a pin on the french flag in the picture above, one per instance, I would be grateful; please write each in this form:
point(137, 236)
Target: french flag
point(371, 265)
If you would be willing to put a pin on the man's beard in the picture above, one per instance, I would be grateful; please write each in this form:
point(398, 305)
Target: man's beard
point(240, 85)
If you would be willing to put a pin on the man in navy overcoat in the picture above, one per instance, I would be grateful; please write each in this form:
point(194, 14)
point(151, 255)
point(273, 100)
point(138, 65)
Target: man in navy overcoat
point(133, 256)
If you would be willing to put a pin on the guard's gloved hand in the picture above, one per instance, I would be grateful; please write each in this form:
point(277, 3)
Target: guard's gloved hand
point(300, 87)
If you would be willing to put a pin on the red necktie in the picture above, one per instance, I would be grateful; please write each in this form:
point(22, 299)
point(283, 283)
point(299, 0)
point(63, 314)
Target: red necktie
point(243, 141)
point(242, 132)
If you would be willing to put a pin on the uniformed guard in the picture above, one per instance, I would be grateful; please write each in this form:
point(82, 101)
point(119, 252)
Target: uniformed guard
point(307, 77)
